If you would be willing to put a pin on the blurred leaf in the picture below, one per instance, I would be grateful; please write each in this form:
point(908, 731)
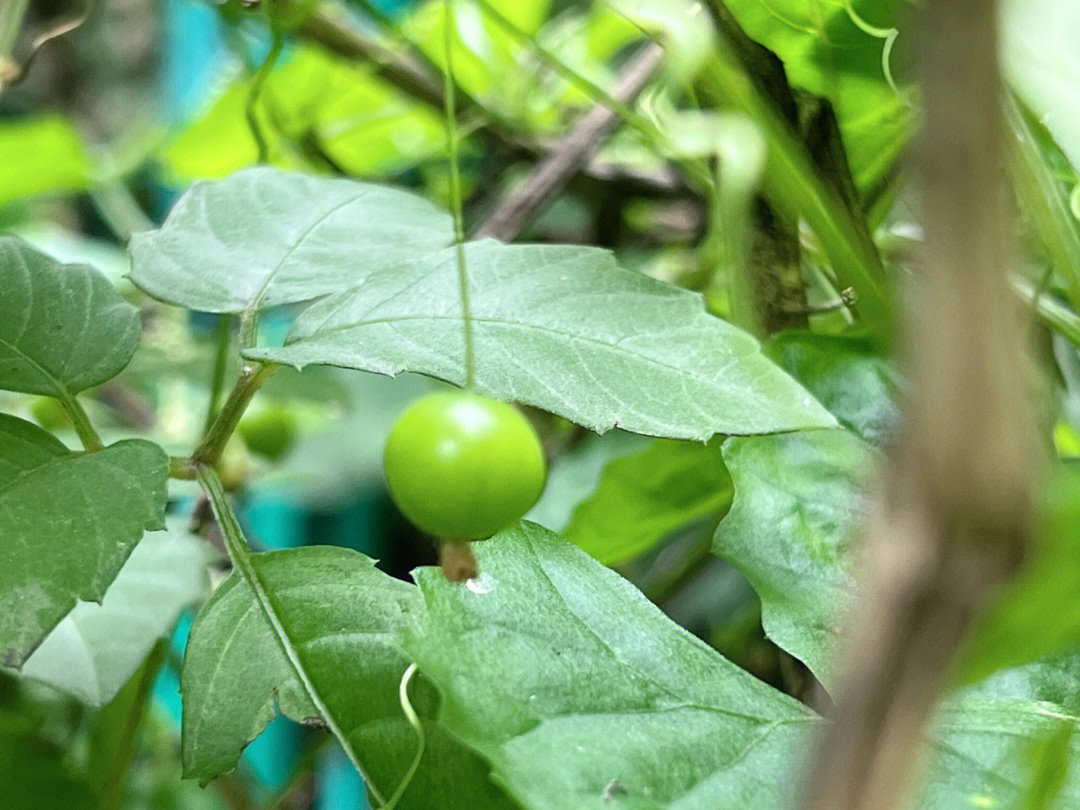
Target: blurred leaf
point(564, 329)
point(342, 615)
point(34, 776)
point(264, 237)
point(39, 156)
point(1009, 741)
point(1042, 63)
point(490, 64)
point(314, 106)
point(826, 53)
point(581, 693)
point(642, 498)
point(789, 531)
point(856, 384)
point(63, 328)
point(1036, 614)
point(575, 474)
point(70, 522)
point(96, 649)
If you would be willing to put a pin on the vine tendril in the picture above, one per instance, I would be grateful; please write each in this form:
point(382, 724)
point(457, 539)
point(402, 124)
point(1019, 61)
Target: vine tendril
point(414, 721)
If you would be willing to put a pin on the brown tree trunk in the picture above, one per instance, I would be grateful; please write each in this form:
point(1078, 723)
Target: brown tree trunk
point(953, 518)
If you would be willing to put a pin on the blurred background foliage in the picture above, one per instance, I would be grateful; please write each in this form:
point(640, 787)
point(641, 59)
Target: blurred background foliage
point(117, 117)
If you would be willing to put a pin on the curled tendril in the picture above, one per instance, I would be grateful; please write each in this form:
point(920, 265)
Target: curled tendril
point(889, 36)
point(414, 721)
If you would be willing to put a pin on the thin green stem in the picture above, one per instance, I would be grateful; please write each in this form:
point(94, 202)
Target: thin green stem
point(221, 361)
point(251, 378)
point(182, 468)
point(1051, 311)
point(455, 192)
point(418, 727)
point(241, 557)
point(250, 109)
point(83, 429)
point(112, 791)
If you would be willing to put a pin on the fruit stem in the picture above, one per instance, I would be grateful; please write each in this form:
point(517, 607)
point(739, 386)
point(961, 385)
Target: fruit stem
point(457, 560)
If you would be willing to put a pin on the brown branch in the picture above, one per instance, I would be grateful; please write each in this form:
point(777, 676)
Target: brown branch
point(955, 513)
point(551, 176)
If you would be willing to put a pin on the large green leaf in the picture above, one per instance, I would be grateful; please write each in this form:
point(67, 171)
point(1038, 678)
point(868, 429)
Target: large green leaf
point(264, 237)
point(93, 652)
point(1009, 739)
point(846, 375)
point(582, 694)
point(566, 330)
point(39, 156)
point(69, 520)
point(643, 497)
point(789, 531)
point(63, 328)
point(341, 614)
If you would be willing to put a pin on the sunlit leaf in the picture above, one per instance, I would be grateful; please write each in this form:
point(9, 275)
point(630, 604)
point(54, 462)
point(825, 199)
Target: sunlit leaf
point(565, 329)
point(264, 237)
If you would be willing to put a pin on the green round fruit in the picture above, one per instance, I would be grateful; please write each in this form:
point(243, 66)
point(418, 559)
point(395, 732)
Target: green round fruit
point(269, 432)
point(461, 466)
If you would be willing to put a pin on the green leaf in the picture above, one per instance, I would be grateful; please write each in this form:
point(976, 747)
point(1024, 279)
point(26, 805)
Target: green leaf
point(316, 100)
point(63, 328)
point(1040, 60)
point(642, 498)
point(564, 329)
point(39, 156)
point(341, 615)
point(1009, 741)
point(96, 649)
point(1036, 614)
point(34, 776)
point(826, 53)
point(489, 63)
point(264, 237)
point(797, 500)
point(846, 375)
point(581, 693)
point(70, 521)
point(573, 475)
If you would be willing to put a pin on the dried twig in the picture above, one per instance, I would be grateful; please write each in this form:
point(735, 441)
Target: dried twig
point(954, 517)
point(573, 154)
